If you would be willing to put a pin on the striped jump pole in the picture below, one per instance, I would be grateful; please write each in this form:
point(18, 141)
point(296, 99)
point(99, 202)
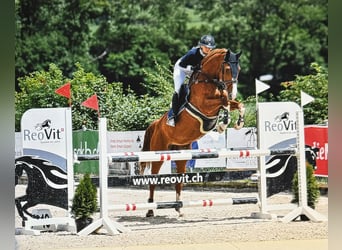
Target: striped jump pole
point(176, 155)
point(183, 204)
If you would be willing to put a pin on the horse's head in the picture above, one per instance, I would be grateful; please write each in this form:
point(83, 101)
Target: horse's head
point(230, 72)
point(223, 67)
point(233, 61)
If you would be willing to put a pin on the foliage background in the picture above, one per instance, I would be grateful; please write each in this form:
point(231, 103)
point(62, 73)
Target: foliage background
point(124, 52)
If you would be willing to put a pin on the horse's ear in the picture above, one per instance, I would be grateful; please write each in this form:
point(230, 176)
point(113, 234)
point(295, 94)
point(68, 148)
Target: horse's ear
point(239, 54)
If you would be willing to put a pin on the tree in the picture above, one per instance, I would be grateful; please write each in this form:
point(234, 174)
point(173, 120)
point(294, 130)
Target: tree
point(312, 187)
point(316, 85)
point(120, 42)
point(55, 31)
point(124, 111)
point(278, 37)
point(84, 203)
point(121, 39)
point(135, 34)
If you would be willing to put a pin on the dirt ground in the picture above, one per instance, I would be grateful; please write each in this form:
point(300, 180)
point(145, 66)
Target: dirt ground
point(217, 224)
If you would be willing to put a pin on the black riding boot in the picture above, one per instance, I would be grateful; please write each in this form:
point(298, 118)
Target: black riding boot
point(175, 108)
point(175, 104)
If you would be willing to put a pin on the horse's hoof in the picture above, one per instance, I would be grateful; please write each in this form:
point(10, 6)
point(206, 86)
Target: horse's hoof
point(239, 125)
point(180, 214)
point(221, 127)
point(149, 213)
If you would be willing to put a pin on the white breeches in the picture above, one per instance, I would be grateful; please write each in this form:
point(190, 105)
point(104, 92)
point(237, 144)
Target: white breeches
point(179, 75)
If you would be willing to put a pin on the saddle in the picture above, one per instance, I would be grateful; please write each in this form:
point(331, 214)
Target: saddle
point(207, 123)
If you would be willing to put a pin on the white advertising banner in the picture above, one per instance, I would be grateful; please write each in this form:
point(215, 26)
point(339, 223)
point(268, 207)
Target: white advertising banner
point(131, 141)
point(212, 140)
point(127, 141)
point(244, 138)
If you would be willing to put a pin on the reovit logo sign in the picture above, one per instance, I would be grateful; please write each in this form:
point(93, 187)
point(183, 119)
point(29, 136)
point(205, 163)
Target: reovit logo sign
point(277, 124)
point(44, 132)
point(281, 123)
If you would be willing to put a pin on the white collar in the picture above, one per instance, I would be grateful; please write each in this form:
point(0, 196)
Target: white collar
point(202, 53)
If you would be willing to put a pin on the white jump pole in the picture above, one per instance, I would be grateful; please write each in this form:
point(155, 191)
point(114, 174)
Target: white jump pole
point(184, 204)
point(303, 208)
point(111, 226)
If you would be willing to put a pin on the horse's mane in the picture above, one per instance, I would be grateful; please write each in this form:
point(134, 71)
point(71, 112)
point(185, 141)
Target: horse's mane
point(212, 57)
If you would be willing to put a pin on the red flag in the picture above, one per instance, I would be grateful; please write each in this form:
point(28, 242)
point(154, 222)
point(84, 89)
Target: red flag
point(91, 102)
point(64, 90)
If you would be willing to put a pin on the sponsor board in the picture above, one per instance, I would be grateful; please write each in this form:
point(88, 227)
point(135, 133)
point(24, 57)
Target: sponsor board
point(317, 137)
point(277, 125)
point(47, 160)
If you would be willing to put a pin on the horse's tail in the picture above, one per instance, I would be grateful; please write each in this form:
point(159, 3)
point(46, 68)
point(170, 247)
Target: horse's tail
point(147, 138)
point(147, 143)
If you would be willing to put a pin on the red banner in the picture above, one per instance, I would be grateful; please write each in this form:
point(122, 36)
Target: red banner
point(317, 136)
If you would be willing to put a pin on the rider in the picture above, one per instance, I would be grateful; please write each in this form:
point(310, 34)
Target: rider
point(184, 67)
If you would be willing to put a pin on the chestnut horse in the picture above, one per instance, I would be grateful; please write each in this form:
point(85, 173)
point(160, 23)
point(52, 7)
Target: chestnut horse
point(211, 88)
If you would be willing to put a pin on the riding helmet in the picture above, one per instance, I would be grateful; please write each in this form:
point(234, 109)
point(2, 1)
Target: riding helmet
point(207, 41)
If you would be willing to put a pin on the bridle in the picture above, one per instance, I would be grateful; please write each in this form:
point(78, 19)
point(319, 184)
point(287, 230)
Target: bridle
point(220, 82)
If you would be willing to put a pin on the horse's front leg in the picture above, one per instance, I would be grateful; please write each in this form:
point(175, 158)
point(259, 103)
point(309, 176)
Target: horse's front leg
point(241, 108)
point(222, 125)
point(241, 120)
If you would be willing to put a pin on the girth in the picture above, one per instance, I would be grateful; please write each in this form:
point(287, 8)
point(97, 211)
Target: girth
point(207, 123)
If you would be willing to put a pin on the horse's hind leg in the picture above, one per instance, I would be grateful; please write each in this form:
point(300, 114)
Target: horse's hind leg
point(143, 166)
point(150, 212)
point(181, 168)
point(154, 170)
